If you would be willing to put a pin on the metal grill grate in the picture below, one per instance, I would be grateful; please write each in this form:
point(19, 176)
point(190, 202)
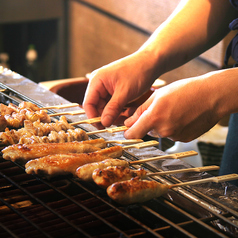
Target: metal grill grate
point(64, 207)
point(34, 207)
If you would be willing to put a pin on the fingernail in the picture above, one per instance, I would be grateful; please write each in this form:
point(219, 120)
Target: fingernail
point(127, 134)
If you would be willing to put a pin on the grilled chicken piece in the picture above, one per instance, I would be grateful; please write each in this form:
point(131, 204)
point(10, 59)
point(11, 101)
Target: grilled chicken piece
point(3, 123)
point(42, 129)
point(29, 113)
point(29, 105)
point(105, 177)
point(5, 110)
point(56, 137)
point(136, 191)
point(14, 122)
point(37, 128)
point(61, 164)
point(85, 172)
point(15, 115)
point(24, 152)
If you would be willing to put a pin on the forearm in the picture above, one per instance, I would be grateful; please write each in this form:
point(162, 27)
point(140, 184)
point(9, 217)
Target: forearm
point(223, 88)
point(194, 27)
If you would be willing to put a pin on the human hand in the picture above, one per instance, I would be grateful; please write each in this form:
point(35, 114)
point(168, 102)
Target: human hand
point(182, 111)
point(111, 87)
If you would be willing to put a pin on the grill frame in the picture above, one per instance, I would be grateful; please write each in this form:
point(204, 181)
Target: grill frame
point(212, 216)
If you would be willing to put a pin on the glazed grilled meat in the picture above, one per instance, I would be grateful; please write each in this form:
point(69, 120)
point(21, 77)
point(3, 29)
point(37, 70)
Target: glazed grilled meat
point(107, 176)
point(85, 172)
point(26, 152)
point(136, 191)
point(61, 164)
point(3, 123)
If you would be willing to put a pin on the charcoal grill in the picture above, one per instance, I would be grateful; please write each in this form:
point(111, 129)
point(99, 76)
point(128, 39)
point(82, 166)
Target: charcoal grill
point(31, 206)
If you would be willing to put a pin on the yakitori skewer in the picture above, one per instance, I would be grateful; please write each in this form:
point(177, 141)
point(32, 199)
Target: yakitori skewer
point(25, 152)
point(59, 131)
point(60, 106)
point(85, 172)
point(87, 121)
point(138, 191)
point(107, 176)
point(179, 155)
point(72, 113)
point(52, 165)
point(110, 130)
point(126, 142)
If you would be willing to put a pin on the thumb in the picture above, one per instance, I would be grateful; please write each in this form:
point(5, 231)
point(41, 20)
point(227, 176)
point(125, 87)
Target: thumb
point(141, 126)
point(140, 122)
point(139, 111)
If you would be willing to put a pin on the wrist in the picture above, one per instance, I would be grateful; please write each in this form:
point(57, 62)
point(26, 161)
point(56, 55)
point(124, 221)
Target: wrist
point(223, 86)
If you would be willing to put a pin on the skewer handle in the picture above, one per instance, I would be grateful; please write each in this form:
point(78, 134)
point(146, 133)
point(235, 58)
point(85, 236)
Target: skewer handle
point(218, 179)
point(87, 121)
point(171, 156)
point(197, 169)
point(126, 142)
point(142, 145)
point(117, 129)
point(110, 130)
point(61, 106)
point(79, 112)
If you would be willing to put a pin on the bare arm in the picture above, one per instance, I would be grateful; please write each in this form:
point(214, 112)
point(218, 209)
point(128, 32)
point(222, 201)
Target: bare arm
point(194, 27)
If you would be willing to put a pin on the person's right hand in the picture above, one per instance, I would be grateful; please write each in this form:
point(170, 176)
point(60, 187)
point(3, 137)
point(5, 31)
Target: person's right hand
point(111, 87)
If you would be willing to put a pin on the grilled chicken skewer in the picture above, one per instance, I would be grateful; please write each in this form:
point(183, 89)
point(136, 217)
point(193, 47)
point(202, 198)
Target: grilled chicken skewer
point(37, 128)
point(15, 116)
point(24, 152)
point(60, 131)
point(85, 172)
point(138, 191)
point(62, 164)
point(105, 177)
point(72, 113)
point(34, 107)
point(56, 137)
point(49, 164)
point(61, 106)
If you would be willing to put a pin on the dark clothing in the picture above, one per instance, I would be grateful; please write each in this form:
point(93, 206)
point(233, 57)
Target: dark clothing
point(229, 162)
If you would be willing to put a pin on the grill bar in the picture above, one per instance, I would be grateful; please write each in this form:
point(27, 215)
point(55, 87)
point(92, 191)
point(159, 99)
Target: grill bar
point(43, 204)
point(24, 217)
point(85, 208)
point(192, 219)
point(120, 211)
point(209, 200)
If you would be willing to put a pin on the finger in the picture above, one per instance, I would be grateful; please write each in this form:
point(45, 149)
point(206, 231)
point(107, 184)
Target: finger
point(95, 99)
point(138, 112)
point(113, 108)
point(140, 127)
